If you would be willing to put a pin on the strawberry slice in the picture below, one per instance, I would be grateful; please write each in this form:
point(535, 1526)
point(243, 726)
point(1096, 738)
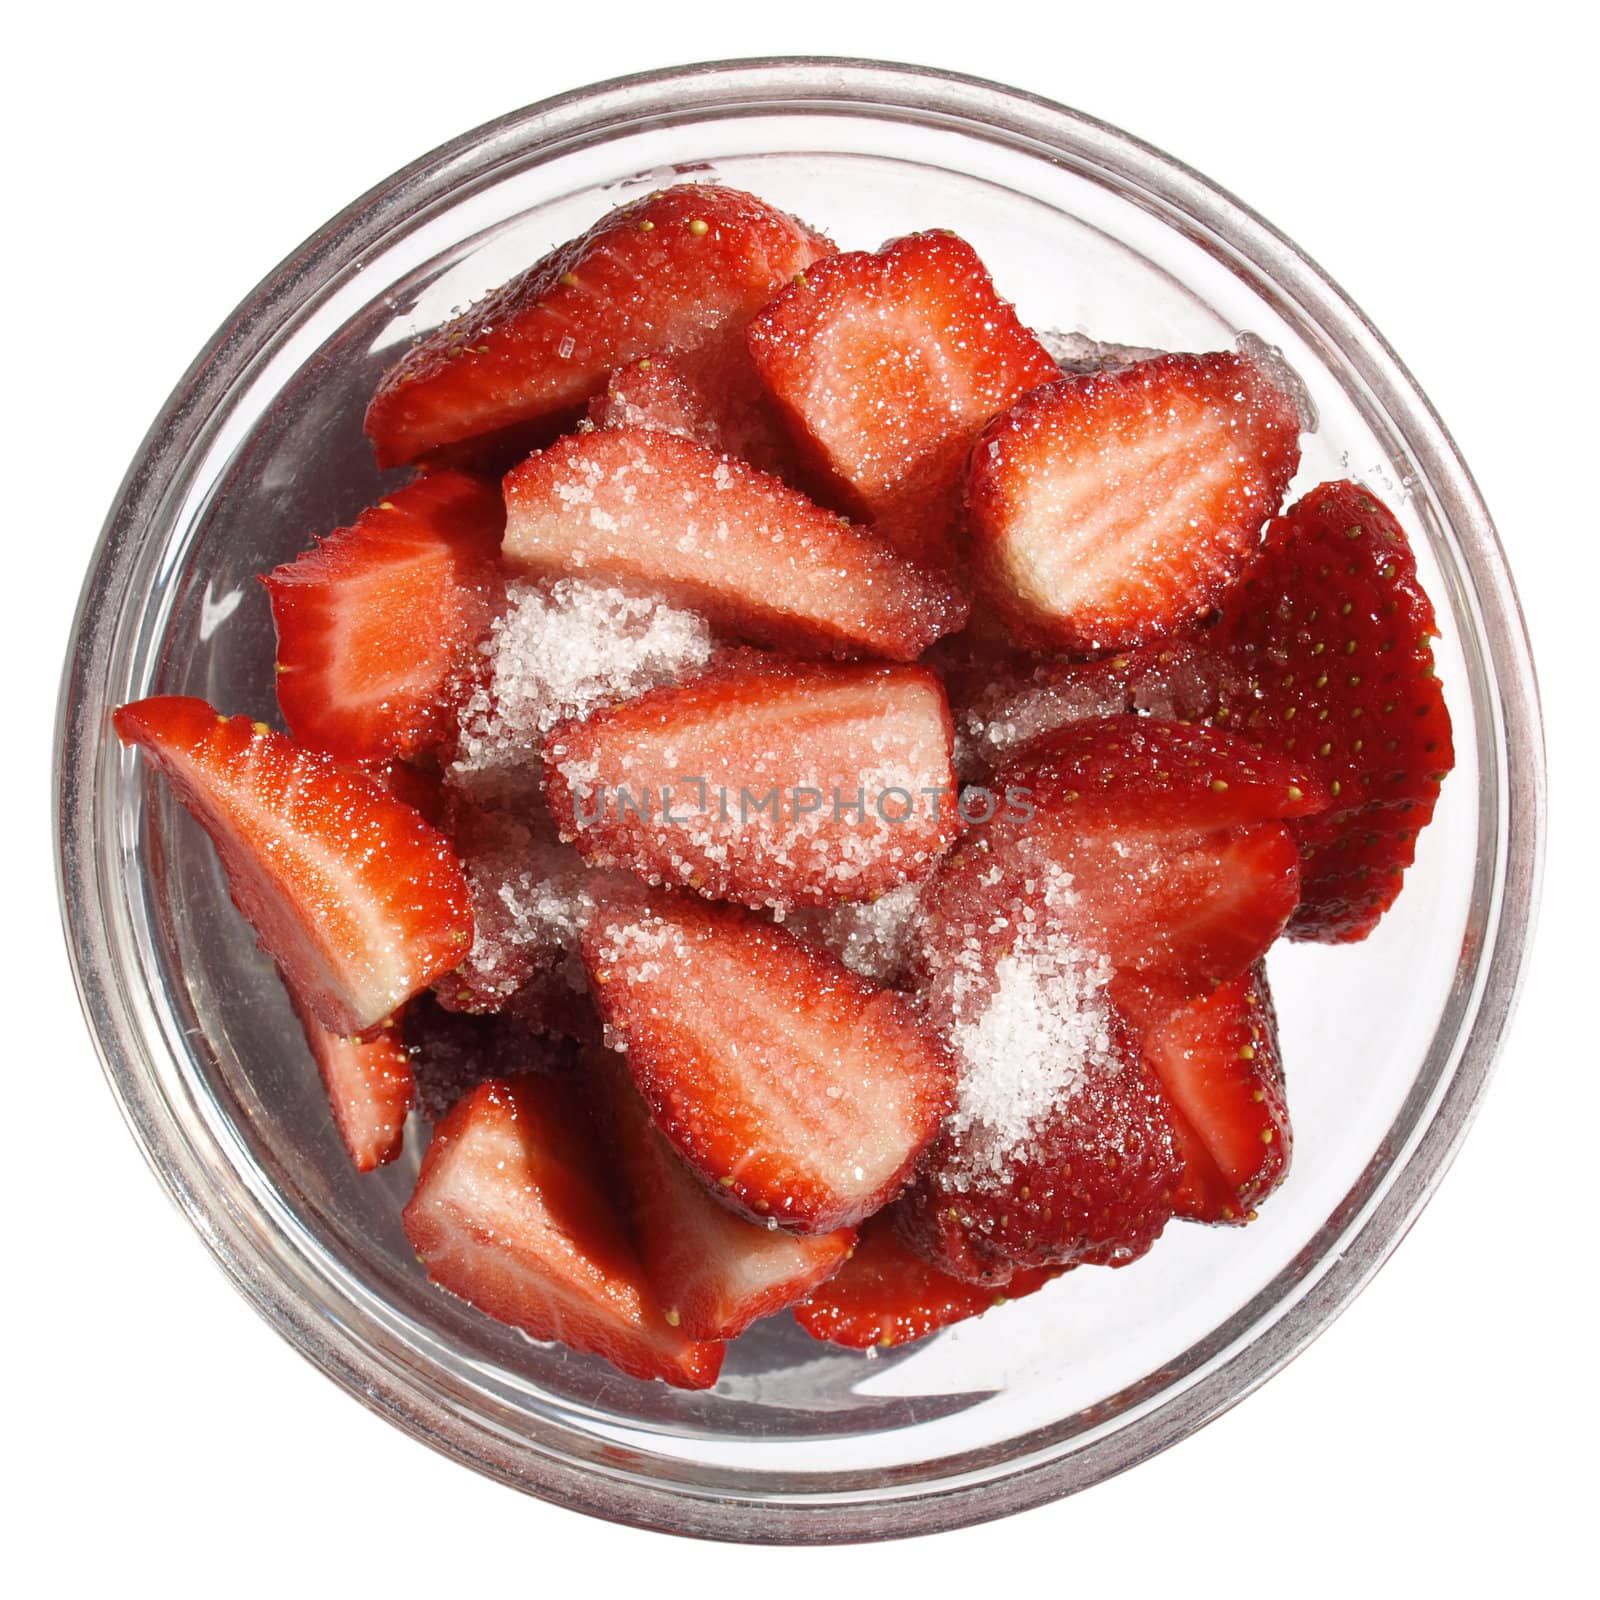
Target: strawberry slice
point(764, 782)
point(887, 1295)
point(682, 269)
point(885, 367)
point(1217, 1058)
point(370, 1087)
point(721, 404)
point(714, 535)
point(715, 1272)
point(512, 1213)
point(1110, 508)
point(377, 626)
point(1327, 656)
point(359, 901)
point(802, 1092)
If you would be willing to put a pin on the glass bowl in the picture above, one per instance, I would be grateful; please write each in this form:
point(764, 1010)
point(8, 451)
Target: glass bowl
point(1388, 1043)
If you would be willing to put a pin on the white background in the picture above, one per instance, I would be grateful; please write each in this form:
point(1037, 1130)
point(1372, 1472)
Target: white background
point(161, 160)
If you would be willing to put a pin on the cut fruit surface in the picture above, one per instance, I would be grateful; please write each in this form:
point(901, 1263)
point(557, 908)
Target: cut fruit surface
point(708, 532)
point(764, 782)
point(370, 1088)
point(1107, 509)
point(377, 626)
point(885, 366)
point(513, 1214)
point(677, 270)
point(358, 899)
point(802, 1092)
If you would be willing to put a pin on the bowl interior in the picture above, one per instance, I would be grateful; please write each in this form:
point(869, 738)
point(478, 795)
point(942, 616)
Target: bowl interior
point(1371, 1033)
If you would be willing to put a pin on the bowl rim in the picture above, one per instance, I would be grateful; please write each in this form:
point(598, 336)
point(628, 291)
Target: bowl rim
point(791, 84)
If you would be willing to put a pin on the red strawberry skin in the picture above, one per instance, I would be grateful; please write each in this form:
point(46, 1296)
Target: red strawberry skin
point(1327, 652)
point(885, 366)
point(714, 535)
point(1109, 508)
point(887, 1295)
point(713, 1271)
point(370, 1088)
point(1218, 1060)
point(377, 626)
point(359, 901)
point(512, 1213)
point(799, 1091)
point(677, 270)
point(869, 744)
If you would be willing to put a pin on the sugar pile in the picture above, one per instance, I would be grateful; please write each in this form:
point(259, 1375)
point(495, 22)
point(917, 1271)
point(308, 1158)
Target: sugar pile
point(873, 939)
point(562, 649)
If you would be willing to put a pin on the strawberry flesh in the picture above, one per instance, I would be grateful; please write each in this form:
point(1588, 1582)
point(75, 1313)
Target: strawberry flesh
point(683, 269)
point(886, 1294)
point(764, 782)
point(885, 367)
point(370, 1088)
point(512, 1213)
point(359, 901)
point(801, 1092)
point(1217, 1058)
point(1107, 509)
point(714, 535)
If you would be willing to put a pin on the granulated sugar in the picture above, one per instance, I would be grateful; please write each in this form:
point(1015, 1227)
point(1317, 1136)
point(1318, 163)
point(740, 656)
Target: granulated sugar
point(872, 939)
point(562, 649)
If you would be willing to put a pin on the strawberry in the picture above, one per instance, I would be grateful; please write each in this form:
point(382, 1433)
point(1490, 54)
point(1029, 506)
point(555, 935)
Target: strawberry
point(885, 367)
point(377, 627)
point(512, 1213)
point(714, 535)
point(765, 782)
point(715, 1272)
point(1217, 1058)
point(370, 1088)
point(1325, 650)
point(802, 1092)
point(887, 1295)
point(1107, 509)
point(721, 404)
point(359, 901)
point(682, 269)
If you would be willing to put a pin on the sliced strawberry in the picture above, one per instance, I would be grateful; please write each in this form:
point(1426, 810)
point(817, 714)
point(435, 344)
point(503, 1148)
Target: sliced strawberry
point(803, 1092)
point(377, 627)
point(370, 1087)
point(359, 901)
point(720, 403)
point(715, 535)
point(885, 367)
point(714, 1271)
point(512, 1213)
point(1217, 1058)
point(1327, 656)
point(887, 1295)
point(764, 782)
point(417, 786)
point(682, 269)
point(1107, 509)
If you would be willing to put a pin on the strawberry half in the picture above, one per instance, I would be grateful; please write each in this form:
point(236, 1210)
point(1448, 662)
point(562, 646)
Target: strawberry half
point(714, 535)
point(681, 269)
point(718, 403)
point(715, 1272)
point(802, 1092)
point(887, 1295)
point(359, 901)
point(513, 1214)
point(1327, 653)
point(1217, 1058)
point(370, 1087)
point(885, 367)
point(1107, 509)
point(377, 627)
point(765, 782)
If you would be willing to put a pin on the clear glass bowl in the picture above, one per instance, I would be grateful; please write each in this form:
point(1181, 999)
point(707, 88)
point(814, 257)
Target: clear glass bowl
point(1388, 1043)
